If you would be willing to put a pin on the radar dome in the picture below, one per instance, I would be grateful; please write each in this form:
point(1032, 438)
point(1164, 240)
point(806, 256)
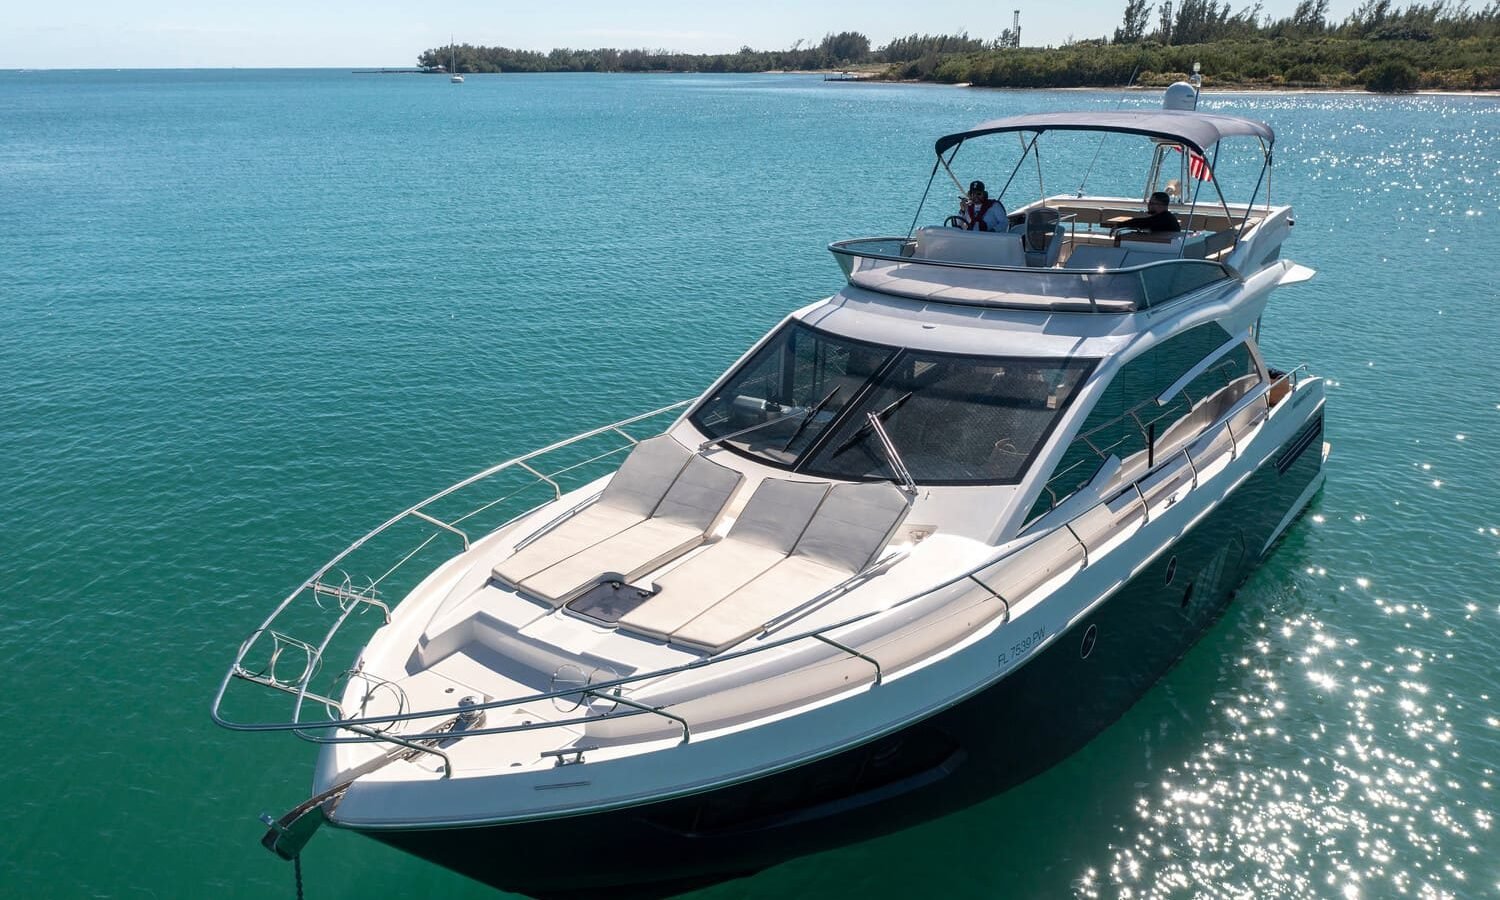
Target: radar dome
point(1180, 96)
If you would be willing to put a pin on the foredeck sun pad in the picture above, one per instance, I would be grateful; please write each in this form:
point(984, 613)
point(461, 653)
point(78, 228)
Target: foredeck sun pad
point(646, 475)
point(634, 492)
point(850, 527)
point(585, 529)
point(689, 510)
point(853, 525)
point(765, 532)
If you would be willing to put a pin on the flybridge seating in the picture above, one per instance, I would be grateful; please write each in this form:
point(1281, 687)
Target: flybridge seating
point(792, 543)
point(1095, 211)
point(1080, 269)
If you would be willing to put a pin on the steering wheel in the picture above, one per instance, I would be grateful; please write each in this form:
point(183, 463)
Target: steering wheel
point(954, 222)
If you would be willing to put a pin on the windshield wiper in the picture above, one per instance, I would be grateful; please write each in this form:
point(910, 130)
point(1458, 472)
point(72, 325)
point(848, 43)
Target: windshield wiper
point(802, 426)
point(892, 454)
point(870, 418)
point(756, 427)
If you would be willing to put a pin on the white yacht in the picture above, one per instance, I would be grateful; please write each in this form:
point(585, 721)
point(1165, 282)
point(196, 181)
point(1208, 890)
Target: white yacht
point(926, 538)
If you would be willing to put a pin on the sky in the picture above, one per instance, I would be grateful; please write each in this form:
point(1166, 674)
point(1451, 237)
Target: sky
point(66, 34)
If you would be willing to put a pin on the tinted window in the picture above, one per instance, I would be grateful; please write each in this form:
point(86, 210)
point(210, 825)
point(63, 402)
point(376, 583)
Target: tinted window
point(789, 392)
point(802, 402)
point(1121, 423)
point(1212, 392)
point(953, 419)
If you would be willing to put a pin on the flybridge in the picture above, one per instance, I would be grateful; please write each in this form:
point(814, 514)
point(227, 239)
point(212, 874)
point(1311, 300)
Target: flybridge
point(1078, 253)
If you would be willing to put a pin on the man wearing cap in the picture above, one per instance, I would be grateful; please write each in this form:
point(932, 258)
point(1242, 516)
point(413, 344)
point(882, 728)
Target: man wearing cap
point(981, 213)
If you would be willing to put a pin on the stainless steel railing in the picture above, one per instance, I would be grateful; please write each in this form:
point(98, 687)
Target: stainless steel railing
point(349, 598)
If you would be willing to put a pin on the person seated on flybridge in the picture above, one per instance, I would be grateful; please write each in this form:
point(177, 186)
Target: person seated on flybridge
point(979, 212)
point(1158, 217)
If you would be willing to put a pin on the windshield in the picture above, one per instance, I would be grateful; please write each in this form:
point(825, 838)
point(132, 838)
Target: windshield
point(804, 401)
point(784, 397)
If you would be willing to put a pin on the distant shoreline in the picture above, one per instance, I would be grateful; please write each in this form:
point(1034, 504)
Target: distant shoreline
point(864, 77)
point(868, 77)
point(1382, 50)
point(1221, 89)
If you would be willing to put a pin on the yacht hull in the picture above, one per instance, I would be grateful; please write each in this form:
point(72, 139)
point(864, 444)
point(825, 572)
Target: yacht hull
point(963, 755)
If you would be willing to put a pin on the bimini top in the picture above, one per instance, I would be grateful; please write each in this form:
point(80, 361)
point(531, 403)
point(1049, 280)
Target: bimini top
point(1198, 130)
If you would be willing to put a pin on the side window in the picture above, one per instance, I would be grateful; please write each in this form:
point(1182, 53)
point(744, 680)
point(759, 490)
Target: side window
point(1126, 416)
point(1206, 398)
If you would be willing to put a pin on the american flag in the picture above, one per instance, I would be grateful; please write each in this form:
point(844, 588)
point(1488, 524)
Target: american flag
point(1197, 165)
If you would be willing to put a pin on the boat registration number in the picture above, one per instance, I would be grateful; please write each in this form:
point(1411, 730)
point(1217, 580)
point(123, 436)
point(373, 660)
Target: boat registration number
point(1023, 646)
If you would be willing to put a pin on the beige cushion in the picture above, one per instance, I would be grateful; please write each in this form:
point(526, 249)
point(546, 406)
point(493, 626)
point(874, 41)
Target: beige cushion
point(699, 494)
point(627, 555)
point(688, 510)
point(779, 589)
point(778, 512)
point(852, 525)
point(633, 493)
point(694, 586)
point(588, 527)
point(645, 476)
point(986, 248)
point(1088, 256)
point(765, 531)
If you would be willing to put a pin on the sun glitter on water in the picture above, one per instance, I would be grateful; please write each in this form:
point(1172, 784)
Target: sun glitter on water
point(1368, 802)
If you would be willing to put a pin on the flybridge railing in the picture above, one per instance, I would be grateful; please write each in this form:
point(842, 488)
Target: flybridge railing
point(1011, 578)
point(886, 264)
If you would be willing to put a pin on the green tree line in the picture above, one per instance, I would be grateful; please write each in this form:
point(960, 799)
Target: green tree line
point(834, 51)
point(1380, 46)
point(1442, 44)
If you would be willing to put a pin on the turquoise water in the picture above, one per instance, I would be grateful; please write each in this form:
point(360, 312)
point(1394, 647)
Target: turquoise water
point(245, 316)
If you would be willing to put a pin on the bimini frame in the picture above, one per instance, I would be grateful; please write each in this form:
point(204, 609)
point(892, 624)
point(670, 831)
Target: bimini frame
point(1194, 132)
